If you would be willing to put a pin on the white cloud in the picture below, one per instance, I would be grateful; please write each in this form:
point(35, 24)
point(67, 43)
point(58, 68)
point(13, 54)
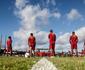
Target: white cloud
point(74, 14)
point(81, 34)
point(42, 37)
point(65, 47)
point(32, 20)
point(20, 3)
point(63, 40)
point(56, 14)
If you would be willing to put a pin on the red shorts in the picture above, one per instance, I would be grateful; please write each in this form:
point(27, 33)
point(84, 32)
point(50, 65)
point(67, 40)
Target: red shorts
point(32, 47)
point(9, 49)
point(52, 46)
point(73, 46)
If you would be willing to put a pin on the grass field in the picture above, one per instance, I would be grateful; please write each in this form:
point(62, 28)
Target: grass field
point(17, 63)
point(21, 63)
point(69, 63)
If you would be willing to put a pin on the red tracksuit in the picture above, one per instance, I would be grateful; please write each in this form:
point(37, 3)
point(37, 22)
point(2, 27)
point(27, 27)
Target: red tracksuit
point(52, 40)
point(73, 41)
point(9, 45)
point(32, 42)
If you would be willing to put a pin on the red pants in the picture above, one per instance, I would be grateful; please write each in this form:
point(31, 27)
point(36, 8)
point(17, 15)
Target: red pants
point(52, 46)
point(73, 46)
point(32, 47)
point(9, 49)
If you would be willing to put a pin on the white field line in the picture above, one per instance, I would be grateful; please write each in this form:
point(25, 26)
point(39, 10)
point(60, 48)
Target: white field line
point(44, 64)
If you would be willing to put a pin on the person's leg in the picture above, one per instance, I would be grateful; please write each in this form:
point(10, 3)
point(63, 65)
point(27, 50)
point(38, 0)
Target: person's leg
point(72, 47)
point(30, 51)
point(53, 52)
point(7, 51)
point(33, 48)
point(33, 52)
point(10, 51)
point(50, 49)
point(53, 49)
point(76, 52)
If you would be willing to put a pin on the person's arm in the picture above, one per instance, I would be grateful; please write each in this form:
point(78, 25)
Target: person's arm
point(55, 37)
point(49, 36)
point(35, 40)
point(11, 42)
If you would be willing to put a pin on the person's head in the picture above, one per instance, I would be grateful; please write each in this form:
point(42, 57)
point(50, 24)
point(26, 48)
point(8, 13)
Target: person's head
point(51, 31)
point(31, 34)
point(9, 37)
point(73, 33)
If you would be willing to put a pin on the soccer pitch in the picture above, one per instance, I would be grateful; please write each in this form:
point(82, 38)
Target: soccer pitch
point(22, 63)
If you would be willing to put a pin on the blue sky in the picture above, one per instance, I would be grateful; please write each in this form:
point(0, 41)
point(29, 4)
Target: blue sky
point(63, 16)
point(8, 21)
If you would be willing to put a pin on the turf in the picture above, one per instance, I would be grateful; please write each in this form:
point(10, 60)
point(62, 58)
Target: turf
point(69, 63)
point(22, 63)
point(17, 63)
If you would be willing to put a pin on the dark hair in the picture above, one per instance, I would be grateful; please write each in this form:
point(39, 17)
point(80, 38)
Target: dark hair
point(31, 34)
point(73, 32)
point(51, 30)
point(9, 37)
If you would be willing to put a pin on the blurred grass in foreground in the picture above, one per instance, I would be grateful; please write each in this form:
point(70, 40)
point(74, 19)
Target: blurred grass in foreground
point(69, 63)
point(17, 63)
point(22, 63)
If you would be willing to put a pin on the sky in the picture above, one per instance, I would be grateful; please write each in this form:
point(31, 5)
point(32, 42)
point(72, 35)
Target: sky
point(19, 18)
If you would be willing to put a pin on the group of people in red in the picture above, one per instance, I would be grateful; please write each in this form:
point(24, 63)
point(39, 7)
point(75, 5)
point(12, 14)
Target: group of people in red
point(52, 41)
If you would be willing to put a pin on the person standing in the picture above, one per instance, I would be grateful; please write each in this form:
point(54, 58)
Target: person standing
point(73, 42)
point(9, 45)
point(84, 45)
point(52, 41)
point(32, 44)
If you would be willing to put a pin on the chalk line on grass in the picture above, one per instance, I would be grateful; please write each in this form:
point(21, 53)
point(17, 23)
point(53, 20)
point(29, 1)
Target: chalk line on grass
point(44, 64)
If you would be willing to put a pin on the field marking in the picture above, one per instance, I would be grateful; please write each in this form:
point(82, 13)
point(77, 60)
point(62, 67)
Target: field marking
point(44, 64)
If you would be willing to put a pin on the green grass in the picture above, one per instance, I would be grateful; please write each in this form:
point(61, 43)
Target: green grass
point(21, 63)
point(17, 63)
point(69, 63)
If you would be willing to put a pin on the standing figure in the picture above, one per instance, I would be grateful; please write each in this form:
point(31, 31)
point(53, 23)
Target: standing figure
point(52, 41)
point(32, 44)
point(73, 41)
point(9, 45)
point(84, 45)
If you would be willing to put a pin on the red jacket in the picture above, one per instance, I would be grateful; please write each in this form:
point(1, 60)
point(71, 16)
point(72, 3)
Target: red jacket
point(9, 42)
point(73, 39)
point(52, 38)
point(31, 40)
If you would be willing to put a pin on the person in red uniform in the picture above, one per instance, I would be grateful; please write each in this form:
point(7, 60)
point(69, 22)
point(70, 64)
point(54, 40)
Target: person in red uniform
point(73, 41)
point(9, 45)
point(52, 40)
point(32, 44)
